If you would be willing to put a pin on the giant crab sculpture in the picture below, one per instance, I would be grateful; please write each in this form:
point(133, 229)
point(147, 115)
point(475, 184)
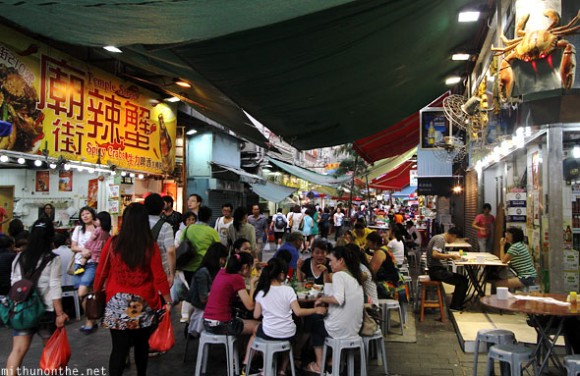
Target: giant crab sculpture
point(538, 44)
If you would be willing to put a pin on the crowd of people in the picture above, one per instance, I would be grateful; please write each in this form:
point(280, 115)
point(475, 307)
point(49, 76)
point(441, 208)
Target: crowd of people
point(230, 290)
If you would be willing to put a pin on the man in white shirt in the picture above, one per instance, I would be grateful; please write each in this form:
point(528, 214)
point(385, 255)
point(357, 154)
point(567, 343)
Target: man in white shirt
point(164, 237)
point(222, 224)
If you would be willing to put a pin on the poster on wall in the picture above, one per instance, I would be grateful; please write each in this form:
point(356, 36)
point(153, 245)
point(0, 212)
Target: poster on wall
point(113, 206)
point(92, 196)
point(42, 181)
point(114, 191)
point(69, 109)
point(434, 128)
point(65, 181)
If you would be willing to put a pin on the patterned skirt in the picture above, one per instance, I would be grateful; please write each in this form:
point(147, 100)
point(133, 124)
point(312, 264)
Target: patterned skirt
point(128, 311)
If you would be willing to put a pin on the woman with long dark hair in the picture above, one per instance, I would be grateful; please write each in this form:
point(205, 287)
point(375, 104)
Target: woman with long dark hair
point(132, 270)
point(16, 230)
point(38, 254)
point(84, 281)
point(240, 228)
point(214, 259)
point(345, 303)
point(276, 302)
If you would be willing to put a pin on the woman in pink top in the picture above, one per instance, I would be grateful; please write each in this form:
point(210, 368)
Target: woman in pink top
point(228, 284)
point(484, 224)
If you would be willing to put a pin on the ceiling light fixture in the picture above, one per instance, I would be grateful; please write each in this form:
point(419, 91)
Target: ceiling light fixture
point(21, 160)
point(3, 158)
point(468, 16)
point(460, 57)
point(576, 151)
point(52, 165)
point(182, 83)
point(132, 174)
point(172, 99)
point(67, 167)
point(38, 163)
point(453, 80)
point(191, 132)
point(113, 49)
point(141, 176)
point(123, 173)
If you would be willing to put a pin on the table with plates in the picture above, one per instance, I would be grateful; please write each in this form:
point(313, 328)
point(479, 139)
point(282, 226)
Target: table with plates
point(475, 265)
point(546, 313)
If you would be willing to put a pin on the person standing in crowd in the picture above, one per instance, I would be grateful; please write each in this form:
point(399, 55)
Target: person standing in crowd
point(189, 218)
point(315, 214)
point(38, 254)
point(278, 226)
point(162, 234)
point(338, 219)
point(16, 230)
point(81, 235)
point(7, 256)
point(294, 242)
point(224, 222)
point(48, 212)
point(240, 228)
point(295, 219)
point(194, 202)
point(483, 222)
point(324, 223)
point(98, 239)
point(307, 227)
point(260, 223)
point(171, 216)
point(345, 304)
point(439, 272)
point(133, 276)
point(519, 259)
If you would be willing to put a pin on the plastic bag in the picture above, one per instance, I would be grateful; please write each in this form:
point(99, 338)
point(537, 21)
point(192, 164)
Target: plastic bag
point(56, 353)
point(180, 289)
point(162, 338)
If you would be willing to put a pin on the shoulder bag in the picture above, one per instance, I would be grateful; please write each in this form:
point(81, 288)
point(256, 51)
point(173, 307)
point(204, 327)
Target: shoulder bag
point(185, 252)
point(97, 300)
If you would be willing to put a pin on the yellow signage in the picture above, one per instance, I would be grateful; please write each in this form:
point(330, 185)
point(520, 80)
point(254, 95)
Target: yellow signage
point(55, 105)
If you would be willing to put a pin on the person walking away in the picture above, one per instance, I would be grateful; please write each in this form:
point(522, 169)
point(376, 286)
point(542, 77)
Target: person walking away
point(338, 219)
point(324, 223)
point(38, 254)
point(307, 227)
point(276, 302)
point(295, 218)
point(315, 213)
point(483, 222)
point(223, 223)
point(81, 235)
point(162, 234)
point(240, 228)
point(7, 256)
point(278, 226)
point(134, 277)
point(171, 216)
point(260, 223)
point(439, 272)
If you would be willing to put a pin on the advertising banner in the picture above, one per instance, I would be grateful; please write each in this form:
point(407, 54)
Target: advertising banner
point(53, 104)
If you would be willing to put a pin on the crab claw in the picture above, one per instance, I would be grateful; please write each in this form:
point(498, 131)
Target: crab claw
point(568, 66)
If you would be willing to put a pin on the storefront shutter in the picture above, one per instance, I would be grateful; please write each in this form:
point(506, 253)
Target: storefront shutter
point(470, 206)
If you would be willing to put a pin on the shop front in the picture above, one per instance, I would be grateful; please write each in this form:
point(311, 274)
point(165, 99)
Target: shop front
point(72, 135)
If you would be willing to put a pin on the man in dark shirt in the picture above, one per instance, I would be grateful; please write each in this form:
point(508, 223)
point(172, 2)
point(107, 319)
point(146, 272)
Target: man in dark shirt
point(171, 216)
point(7, 255)
point(439, 272)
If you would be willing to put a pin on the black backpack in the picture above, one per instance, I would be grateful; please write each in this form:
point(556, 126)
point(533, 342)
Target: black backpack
point(280, 222)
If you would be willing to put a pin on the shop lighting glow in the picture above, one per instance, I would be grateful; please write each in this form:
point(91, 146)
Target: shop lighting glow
point(123, 173)
point(457, 189)
point(576, 151)
point(191, 132)
point(38, 163)
point(91, 170)
point(460, 57)
point(452, 80)
point(67, 166)
point(3, 158)
point(52, 165)
point(468, 16)
point(172, 99)
point(141, 176)
point(21, 160)
point(113, 49)
point(132, 174)
point(183, 83)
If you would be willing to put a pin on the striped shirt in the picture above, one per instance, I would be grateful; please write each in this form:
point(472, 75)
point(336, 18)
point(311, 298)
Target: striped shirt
point(521, 260)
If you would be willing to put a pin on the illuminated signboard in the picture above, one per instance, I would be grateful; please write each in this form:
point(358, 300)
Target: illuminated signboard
point(55, 104)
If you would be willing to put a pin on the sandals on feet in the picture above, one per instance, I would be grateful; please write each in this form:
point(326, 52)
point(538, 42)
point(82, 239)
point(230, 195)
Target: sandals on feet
point(312, 367)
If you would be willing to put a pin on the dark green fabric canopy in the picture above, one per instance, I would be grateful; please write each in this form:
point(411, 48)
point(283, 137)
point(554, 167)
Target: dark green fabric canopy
point(317, 73)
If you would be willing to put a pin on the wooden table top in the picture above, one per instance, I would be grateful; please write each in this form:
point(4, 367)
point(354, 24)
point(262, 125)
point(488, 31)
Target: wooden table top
point(478, 258)
point(533, 307)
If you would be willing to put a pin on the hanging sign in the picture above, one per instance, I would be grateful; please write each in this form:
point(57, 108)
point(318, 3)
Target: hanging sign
point(59, 106)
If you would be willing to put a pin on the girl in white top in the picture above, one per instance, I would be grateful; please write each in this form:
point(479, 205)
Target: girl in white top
point(276, 302)
point(48, 286)
point(345, 311)
point(396, 244)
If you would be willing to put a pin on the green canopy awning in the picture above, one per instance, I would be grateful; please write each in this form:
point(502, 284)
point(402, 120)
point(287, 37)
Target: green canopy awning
point(310, 176)
point(386, 165)
point(271, 191)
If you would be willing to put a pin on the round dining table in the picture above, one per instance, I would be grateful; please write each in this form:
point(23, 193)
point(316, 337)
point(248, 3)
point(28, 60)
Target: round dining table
point(547, 313)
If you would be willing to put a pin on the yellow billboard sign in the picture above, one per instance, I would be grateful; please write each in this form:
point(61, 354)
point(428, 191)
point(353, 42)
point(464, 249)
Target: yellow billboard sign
point(55, 105)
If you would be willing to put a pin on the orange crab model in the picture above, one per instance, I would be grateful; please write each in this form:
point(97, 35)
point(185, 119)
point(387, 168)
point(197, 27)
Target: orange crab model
point(538, 44)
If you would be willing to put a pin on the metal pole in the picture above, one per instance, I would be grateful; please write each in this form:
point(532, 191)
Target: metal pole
point(351, 190)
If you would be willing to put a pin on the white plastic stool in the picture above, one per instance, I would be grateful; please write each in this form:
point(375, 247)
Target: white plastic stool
point(269, 349)
point(572, 364)
point(206, 339)
point(491, 337)
point(337, 345)
point(516, 355)
point(379, 341)
point(386, 306)
point(71, 292)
